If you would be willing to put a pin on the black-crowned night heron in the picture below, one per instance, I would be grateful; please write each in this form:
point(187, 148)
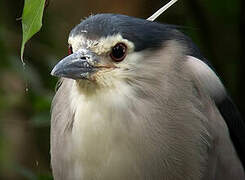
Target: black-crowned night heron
point(138, 101)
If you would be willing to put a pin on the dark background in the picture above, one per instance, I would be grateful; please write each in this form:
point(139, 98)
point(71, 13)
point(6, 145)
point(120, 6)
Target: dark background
point(216, 26)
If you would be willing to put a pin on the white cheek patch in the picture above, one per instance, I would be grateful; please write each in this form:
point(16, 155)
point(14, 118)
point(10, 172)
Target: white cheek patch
point(100, 46)
point(130, 62)
point(79, 41)
point(105, 44)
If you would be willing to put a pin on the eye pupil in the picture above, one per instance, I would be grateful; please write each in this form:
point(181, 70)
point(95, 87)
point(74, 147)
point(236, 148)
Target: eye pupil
point(118, 52)
point(70, 51)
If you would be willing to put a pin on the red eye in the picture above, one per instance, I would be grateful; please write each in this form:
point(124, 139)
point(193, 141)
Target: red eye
point(70, 51)
point(118, 52)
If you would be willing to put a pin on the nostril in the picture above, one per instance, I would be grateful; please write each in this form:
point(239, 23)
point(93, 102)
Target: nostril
point(83, 58)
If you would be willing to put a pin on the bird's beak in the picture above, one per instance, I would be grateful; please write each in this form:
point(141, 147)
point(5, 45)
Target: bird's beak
point(79, 65)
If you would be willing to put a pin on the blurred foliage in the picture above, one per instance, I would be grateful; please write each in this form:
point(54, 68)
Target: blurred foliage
point(217, 27)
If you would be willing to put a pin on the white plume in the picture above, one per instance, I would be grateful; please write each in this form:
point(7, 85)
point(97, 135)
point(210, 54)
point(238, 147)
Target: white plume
point(160, 11)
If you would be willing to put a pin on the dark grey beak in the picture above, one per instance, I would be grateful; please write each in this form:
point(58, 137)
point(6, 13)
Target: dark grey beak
point(78, 65)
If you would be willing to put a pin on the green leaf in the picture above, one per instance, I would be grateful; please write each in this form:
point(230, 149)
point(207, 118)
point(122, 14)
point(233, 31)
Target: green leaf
point(31, 20)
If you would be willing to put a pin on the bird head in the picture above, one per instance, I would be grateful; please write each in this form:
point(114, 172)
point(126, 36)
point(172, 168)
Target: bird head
point(107, 49)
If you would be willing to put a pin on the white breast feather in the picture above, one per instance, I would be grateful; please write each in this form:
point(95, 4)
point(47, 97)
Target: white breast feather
point(96, 135)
